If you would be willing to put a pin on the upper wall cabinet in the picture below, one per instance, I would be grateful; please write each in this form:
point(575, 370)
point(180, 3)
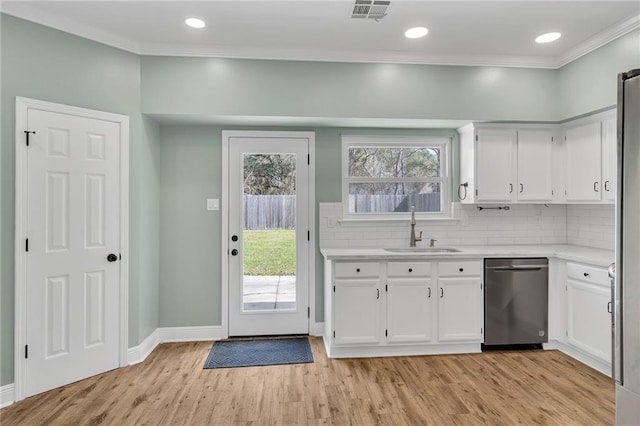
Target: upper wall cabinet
point(591, 159)
point(502, 164)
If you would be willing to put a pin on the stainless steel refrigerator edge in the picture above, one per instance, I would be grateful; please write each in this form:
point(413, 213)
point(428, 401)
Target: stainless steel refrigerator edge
point(626, 284)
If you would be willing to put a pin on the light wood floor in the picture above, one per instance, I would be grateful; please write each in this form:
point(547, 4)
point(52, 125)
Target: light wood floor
point(171, 388)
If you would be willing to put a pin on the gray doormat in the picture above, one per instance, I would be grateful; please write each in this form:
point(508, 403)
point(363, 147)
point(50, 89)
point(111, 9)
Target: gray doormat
point(246, 353)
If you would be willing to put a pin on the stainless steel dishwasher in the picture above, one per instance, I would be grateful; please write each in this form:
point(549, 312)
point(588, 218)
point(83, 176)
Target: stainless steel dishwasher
point(516, 301)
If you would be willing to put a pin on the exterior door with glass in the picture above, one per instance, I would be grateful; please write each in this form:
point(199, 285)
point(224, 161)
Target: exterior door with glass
point(268, 247)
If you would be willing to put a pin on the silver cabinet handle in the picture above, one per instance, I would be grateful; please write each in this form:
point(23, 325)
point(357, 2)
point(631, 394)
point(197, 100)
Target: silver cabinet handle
point(510, 188)
point(521, 188)
point(429, 296)
point(606, 185)
point(595, 186)
point(441, 292)
point(377, 293)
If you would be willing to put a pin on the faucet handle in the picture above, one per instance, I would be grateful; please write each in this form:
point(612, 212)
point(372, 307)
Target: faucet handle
point(419, 237)
point(432, 243)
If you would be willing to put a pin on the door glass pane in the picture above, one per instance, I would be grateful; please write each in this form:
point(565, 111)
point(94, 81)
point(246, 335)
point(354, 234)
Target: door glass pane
point(269, 232)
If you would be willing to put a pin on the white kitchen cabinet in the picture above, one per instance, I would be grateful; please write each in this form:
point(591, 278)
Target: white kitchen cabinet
point(459, 309)
point(357, 305)
point(410, 309)
point(495, 165)
point(357, 312)
point(588, 317)
point(609, 158)
point(506, 163)
point(401, 307)
point(535, 149)
point(584, 162)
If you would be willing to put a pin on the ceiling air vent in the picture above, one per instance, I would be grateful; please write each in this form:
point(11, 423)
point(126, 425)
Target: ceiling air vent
point(370, 9)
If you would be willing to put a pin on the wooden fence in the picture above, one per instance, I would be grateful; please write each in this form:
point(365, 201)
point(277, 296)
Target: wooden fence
point(269, 212)
point(394, 203)
point(279, 211)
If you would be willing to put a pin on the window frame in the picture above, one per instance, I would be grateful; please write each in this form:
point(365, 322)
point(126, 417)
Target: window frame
point(445, 179)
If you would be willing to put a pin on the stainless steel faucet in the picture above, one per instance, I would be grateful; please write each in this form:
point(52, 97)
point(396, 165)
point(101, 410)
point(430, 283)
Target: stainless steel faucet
point(413, 239)
point(432, 243)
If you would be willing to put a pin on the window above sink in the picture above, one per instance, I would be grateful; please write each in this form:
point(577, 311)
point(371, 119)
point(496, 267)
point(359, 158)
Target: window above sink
point(384, 177)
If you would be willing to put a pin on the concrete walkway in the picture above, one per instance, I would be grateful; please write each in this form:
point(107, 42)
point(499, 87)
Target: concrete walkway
point(269, 293)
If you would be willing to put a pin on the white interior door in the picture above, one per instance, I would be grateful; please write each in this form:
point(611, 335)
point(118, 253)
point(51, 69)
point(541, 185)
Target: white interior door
point(268, 247)
point(73, 251)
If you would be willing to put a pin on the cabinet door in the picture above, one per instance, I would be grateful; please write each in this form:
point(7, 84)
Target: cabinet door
point(459, 309)
point(495, 165)
point(588, 319)
point(583, 153)
point(609, 159)
point(356, 311)
point(409, 310)
point(534, 165)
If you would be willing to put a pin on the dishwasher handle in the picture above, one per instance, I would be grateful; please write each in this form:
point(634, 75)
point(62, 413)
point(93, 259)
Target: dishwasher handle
point(518, 268)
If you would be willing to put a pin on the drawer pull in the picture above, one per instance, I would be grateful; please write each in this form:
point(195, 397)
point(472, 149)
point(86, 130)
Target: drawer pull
point(461, 269)
point(377, 293)
point(410, 270)
point(586, 274)
point(441, 292)
point(358, 270)
point(429, 296)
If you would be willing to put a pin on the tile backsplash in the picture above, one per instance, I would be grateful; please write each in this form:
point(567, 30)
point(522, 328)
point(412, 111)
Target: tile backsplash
point(591, 225)
point(522, 224)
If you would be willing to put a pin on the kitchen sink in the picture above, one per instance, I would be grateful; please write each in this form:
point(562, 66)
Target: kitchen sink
point(422, 250)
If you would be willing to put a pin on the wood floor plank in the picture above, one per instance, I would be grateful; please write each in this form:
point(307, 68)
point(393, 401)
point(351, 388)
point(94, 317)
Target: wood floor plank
point(171, 388)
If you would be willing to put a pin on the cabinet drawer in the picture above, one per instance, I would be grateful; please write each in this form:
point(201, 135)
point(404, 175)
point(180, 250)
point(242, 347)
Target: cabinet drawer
point(357, 269)
point(460, 269)
point(409, 269)
point(587, 273)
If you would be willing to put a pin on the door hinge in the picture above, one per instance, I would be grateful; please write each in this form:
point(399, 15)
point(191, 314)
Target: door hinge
point(27, 133)
point(26, 245)
point(480, 286)
point(386, 288)
point(334, 288)
point(26, 351)
point(476, 192)
point(552, 192)
point(566, 333)
point(334, 334)
point(480, 330)
point(309, 159)
point(308, 235)
point(308, 312)
point(476, 138)
point(551, 138)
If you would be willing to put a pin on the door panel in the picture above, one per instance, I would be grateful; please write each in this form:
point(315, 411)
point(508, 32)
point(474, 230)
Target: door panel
point(583, 151)
point(268, 225)
point(73, 221)
point(495, 165)
point(534, 165)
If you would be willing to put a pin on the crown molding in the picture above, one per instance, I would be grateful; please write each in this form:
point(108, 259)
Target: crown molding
point(25, 11)
point(597, 41)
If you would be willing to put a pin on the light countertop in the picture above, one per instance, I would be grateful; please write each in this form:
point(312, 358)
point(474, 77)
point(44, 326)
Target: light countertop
point(591, 256)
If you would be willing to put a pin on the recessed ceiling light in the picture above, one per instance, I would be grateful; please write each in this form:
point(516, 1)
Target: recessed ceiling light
point(548, 37)
point(195, 22)
point(416, 32)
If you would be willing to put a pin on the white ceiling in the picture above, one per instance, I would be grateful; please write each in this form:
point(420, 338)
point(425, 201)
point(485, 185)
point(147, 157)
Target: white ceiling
point(460, 32)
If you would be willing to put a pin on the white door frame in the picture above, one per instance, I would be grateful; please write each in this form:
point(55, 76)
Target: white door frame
point(224, 261)
point(20, 317)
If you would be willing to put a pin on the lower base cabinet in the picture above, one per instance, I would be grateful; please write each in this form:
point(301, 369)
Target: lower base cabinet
point(588, 319)
point(404, 307)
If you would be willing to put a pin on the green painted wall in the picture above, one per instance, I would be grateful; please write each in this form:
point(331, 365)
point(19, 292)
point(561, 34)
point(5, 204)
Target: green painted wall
point(190, 252)
point(233, 87)
point(46, 64)
point(590, 82)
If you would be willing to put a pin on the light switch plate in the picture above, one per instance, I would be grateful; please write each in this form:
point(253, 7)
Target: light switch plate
point(213, 204)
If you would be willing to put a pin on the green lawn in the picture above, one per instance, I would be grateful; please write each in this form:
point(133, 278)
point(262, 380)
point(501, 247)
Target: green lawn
point(270, 252)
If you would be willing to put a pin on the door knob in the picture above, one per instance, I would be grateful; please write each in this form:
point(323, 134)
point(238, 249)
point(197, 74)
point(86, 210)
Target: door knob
point(112, 257)
point(234, 238)
point(234, 252)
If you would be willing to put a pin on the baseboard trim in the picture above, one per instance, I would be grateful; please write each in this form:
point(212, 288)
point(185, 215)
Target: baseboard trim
point(316, 329)
point(139, 353)
point(190, 334)
point(400, 350)
point(7, 395)
point(579, 355)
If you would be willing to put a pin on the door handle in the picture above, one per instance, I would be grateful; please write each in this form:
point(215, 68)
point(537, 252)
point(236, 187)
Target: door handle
point(377, 293)
point(429, 296)
point(441, 292)
point(606, 185)
point(112, 257)
point(234, 252)
point(510, 188)
point(521, 188)
point(234, 238)
point(609, 307)
point(595, 186)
